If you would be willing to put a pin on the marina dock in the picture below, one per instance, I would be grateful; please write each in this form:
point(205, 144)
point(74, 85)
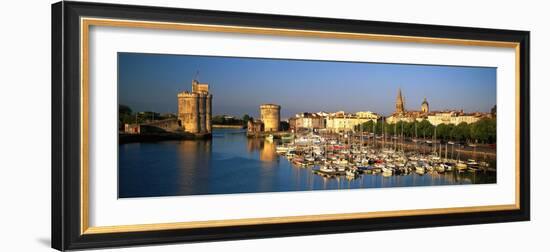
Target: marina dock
point(354, 154)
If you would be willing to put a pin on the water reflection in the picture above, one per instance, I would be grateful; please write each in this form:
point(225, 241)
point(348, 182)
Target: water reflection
point(193, 161)
point(232, 163)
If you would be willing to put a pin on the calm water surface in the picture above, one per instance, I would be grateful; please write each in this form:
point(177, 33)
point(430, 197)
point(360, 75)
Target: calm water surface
point(232, 163)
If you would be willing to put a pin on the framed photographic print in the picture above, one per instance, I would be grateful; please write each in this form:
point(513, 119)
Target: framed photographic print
point(180, 125)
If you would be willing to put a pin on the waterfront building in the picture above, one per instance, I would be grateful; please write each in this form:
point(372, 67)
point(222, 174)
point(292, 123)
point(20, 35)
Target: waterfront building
point(133, 128)
point(195, 109)
point(454, 117)
point(255, 126)
point(434, 117)
point(367, 115)
point(334, 122)
point(308, 121)
point(292, 124)
point(342, 122)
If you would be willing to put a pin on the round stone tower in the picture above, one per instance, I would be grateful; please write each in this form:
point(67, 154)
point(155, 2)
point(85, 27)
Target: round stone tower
point(188, 111)
point(270, 115)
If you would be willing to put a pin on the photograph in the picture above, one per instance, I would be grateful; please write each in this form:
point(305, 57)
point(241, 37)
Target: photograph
point(201, 125)
point(175, 123)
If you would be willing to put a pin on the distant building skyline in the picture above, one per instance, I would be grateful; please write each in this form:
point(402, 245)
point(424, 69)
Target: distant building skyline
point(150, 82)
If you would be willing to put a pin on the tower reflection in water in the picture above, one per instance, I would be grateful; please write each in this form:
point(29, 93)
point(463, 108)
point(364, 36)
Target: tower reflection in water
point(266, 149)
point(194, 165)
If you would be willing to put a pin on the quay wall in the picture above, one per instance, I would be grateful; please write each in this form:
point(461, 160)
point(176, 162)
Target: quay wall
point(221, 126)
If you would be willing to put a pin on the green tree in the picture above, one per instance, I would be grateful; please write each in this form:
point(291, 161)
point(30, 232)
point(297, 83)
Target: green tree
point(483, 131)
point(368, 126)
point(408, 129)
point(246, 118)
point(444, 131)
point(461, 132)
point(389, 127)
point(379, 128)
point(285, 126)
point(218, 119)
point(425, 129)
point(125, 115)
point(148, 116)
point(124, 109)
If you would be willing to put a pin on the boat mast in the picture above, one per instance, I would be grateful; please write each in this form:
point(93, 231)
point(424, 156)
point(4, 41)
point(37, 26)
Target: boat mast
point(374, 134)
point(402, 138)
point(384, 133)
point(434, 138)
point(395, 135)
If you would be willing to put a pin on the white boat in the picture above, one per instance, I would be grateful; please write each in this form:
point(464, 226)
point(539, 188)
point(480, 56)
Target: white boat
point(387, 173)
point(420, 169)
point(340, 168)
point(387, 170)
point(429, 167)
point(269, 138)
point(461, 166)
point(290, 154)
point(281, 149)
point(472, 163)
point(341, 162)
point(351, 173)
point(326, 168)
point(287, 137)
point(447, 166)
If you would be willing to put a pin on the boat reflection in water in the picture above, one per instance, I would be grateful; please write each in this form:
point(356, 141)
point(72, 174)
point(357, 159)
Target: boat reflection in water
point(233, 163)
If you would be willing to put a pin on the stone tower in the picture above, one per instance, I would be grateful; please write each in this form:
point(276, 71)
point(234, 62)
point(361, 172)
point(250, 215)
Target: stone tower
point(425, 108)
point(270, 115)
point(195, 109)
point(188, 112)
point(399, 103)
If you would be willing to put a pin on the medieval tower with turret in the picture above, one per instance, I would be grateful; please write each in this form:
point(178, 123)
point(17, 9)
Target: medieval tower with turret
point(195, 109)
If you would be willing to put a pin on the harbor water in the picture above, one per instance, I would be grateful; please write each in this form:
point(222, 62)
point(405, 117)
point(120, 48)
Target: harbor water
point(232, 163)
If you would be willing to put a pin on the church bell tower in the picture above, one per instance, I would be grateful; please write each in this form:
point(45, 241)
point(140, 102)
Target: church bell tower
point(399, 103)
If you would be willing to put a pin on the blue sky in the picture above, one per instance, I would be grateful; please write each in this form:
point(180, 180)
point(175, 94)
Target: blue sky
point(150, 82)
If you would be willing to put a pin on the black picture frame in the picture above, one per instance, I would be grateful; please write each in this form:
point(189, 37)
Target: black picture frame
point(66, 127)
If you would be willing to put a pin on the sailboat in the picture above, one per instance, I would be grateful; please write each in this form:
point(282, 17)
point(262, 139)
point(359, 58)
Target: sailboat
point(415, 133)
